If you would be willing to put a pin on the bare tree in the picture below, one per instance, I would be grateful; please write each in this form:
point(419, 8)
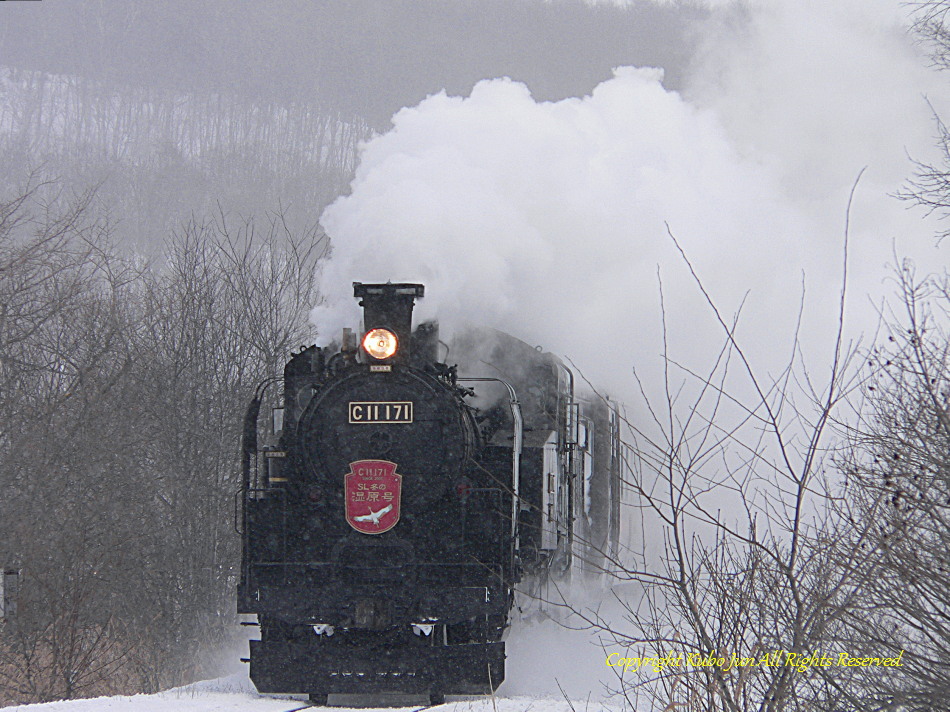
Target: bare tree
point(63, 315)
point(898, 502)
point(226, 310)
point(734, 597)
point(121, 391)
point(930, 22)
point(930, 186)
point(161, 155)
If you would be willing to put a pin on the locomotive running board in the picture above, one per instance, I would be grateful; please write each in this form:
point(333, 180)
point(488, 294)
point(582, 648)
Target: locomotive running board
point(476, 669)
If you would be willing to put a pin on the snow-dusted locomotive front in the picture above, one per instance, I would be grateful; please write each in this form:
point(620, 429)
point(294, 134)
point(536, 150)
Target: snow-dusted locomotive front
point(388, 521)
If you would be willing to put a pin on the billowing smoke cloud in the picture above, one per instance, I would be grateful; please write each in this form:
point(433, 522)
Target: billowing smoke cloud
point(548, 220)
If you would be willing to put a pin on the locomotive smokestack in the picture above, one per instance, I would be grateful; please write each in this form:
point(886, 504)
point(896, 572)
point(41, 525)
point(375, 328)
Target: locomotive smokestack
point(389, 306)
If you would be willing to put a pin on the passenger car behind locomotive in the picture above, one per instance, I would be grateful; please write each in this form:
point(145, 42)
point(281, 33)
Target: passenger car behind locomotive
point(399, 503)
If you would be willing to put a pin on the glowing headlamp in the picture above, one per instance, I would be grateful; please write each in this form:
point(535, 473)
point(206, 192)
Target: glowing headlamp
point(380, 343)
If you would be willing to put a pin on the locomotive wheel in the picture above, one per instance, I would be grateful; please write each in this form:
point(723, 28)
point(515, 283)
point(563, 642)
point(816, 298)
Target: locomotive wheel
point(436, 698)
point(318, 699)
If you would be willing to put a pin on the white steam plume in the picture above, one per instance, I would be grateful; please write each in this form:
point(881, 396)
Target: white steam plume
point(547, 220)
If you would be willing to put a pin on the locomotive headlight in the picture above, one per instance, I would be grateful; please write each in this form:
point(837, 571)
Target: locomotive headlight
point(380, 343)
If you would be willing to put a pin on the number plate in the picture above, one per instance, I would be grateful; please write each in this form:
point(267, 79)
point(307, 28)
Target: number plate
point(380, 412)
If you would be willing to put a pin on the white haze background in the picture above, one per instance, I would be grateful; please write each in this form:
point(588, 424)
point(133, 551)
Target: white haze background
point(548, 220)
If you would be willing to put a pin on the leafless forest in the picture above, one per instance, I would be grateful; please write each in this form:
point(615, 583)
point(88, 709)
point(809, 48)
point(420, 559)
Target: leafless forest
point(121, 382)
point(125, 370)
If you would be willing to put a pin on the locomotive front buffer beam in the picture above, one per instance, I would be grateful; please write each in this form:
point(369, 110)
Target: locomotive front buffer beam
point(312, 666)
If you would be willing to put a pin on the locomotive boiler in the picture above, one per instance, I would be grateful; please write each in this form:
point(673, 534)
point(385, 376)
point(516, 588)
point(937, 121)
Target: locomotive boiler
point(396, 502)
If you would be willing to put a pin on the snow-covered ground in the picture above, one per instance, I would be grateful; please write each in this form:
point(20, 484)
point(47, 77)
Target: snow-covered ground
point(236, 694)
point(551, 667)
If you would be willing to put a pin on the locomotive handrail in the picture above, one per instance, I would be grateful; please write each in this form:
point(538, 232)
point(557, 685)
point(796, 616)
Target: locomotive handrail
point(249, 431)
point(249, 454)
point(518, 428)
point(570, 439)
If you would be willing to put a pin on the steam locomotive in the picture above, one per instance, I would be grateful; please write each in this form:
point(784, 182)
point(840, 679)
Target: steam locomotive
point(396, 502)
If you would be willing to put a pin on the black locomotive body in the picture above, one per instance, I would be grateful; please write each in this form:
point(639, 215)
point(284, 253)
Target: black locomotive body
point(397, 505)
